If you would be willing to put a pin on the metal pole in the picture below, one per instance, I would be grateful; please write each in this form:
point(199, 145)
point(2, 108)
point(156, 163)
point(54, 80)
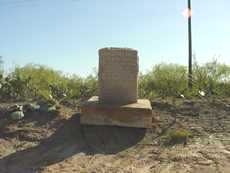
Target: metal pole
point(189, 45)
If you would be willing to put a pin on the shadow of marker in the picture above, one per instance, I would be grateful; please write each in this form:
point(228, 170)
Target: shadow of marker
point(70, 139)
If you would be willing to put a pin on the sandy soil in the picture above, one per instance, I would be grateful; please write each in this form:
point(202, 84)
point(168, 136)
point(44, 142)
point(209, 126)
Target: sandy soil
point(46, 143)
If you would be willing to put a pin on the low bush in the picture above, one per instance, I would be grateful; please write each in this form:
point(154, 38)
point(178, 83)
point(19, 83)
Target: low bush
point(164, 80)
point(43, 83)
point(170, 80)
point(213, 78)
point(178, 136)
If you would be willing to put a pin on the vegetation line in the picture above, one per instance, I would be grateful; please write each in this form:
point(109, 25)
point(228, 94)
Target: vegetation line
point(164, 80)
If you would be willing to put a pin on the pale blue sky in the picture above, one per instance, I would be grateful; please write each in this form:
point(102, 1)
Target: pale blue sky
point(66, 34)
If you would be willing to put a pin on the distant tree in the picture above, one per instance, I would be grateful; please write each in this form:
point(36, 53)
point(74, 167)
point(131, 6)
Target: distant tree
point(1, 61)
point(1, 67)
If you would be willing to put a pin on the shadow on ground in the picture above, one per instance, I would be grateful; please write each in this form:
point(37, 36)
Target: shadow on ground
point(71, 138)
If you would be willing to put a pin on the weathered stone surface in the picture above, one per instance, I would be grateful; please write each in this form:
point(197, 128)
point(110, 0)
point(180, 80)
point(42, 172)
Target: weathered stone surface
point(118, 70)
point(137, 114)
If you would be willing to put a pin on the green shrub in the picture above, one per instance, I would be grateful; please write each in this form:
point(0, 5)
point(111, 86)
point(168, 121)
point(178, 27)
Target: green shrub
point(178, 136)
point(89, 87)
point(1, 68)
point(213, 78)
point(1, 73)
point(164, 80)
point(43, 83)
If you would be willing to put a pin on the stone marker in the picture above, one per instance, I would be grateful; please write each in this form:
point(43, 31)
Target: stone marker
point(118, 70)
point(117, 103)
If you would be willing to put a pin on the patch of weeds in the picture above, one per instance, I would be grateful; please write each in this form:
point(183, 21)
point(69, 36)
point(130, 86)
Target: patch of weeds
point(177, 136)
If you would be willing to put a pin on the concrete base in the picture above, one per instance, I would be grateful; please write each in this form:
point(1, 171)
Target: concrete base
point(132, 115)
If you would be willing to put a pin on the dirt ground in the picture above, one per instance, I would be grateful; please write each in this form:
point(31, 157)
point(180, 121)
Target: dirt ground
point(47, 143)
